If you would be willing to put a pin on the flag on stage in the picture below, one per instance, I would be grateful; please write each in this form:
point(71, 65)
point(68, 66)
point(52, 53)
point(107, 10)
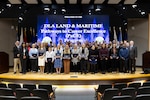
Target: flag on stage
point(33, 36)
point(126, 34)
point(115, 35)
point(120, 34)
point(21, 36)
point(25, 35)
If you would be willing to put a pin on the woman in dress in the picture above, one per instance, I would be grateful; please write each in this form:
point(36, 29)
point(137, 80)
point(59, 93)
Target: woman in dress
point(41, 58)
point(58, 59)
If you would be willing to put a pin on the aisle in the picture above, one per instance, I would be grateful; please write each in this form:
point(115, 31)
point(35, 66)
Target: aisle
point(75, 94)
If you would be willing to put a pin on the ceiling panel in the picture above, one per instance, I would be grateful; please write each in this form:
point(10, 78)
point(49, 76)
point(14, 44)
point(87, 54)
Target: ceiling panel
point(85, 1)
point(99, 1)
point(46, 1)
point(15, 1)
point(113, 1)
point(60, 1)
point(129, 1)
point(73, 1)
point(31, 1)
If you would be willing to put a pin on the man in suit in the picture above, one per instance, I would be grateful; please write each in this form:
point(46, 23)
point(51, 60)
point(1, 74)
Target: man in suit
point(132, 56)
point(16, 52)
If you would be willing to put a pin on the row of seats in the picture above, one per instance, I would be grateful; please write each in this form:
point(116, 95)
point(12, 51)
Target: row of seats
point(107, 91)
point(46, 92)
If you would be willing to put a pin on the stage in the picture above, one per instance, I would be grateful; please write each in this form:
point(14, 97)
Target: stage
point(72, 78)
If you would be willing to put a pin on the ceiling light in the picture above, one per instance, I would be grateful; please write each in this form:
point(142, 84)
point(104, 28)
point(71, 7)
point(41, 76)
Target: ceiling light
point(8, 5)
point(142, 13)
point(97, 9)
point(63, 10)
point(124, 8)
point(47, 9)
point(54, 11)
point(20, 18)
point(134, 6)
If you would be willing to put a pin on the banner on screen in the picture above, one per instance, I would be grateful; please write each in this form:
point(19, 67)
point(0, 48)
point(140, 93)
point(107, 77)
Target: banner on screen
point(73, 28)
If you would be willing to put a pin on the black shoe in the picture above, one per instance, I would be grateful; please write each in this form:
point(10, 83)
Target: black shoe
point(14, 72)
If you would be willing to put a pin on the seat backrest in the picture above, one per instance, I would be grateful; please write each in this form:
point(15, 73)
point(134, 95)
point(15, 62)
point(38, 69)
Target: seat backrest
point(6, 92)
point(31, 98)
point(31, 87)
point(14, 86)
point(8, 98)
point(125, 97)
point(43, 93)
point(21, 92)
point(146, 83)
point(143, 97)
point(101, 88)
point(2, 85)
point(109, 93)
point(129, 91)
point(47, 87)
point(143, 90)
point(120, 85)
point(135, 85)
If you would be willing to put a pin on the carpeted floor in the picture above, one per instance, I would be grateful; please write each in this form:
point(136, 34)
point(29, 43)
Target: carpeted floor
point(75, 94)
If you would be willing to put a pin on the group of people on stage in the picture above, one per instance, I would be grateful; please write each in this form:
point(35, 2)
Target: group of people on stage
point(77, 57)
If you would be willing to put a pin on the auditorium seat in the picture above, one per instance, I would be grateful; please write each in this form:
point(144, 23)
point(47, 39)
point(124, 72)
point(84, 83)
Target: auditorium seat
point(125, 97)
point(31, 98)
point(109, 93)
point(101, 88)
point(143, 97)
point(43, 93)
point(135, 85)
point(8, 98)
point(50, 89)
point(21, 92)
point(14, 86)
point(129, 91)
point(2, 85)
point(31, 87)
point(120, 86)
point(143, 90)
point(6, 92)
point(146, 83)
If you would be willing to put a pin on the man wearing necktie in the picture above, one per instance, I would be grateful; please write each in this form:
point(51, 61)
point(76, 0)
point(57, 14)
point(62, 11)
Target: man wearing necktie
point(132, 57)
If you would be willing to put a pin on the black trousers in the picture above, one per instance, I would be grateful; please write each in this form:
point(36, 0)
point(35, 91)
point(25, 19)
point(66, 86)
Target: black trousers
point(132, 66)
point(49, 67)
point(124, 65)
point(76, 67)
point(114, 64)
point(24, 65)
point(104, 65)
point(34, 64)
point(83, 66)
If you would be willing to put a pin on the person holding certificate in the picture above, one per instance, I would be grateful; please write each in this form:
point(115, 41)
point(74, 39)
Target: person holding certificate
point(41, 57)
point(49, 58)
point(58, 59)
point(75, 58)
point(33, 54)
point(66, 59)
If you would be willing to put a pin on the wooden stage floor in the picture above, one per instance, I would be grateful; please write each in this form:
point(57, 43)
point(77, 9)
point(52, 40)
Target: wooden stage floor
point(72, 78)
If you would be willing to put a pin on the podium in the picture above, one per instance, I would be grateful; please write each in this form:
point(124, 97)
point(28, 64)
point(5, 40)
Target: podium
point(4, 62)
point(146, 62)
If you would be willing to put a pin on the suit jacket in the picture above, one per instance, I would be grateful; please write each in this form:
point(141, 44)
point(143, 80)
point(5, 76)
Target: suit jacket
point(132, 52)
point(16, 51)
point(22, 53)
